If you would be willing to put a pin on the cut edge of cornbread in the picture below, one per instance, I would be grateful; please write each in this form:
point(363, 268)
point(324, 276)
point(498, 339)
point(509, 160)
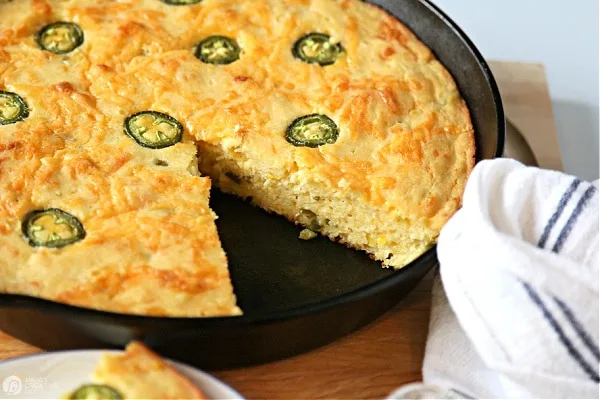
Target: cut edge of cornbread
point(336, 213)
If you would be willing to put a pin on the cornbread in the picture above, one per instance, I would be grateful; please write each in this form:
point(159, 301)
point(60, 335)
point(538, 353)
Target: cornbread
point(150, 245)
point(330, 113)
point(138, 373)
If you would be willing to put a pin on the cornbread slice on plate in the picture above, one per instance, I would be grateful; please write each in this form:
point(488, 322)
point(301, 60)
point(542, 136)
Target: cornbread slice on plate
point(138, 373)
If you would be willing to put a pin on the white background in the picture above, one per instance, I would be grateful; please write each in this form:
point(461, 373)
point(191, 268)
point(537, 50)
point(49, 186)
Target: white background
point(562, 35)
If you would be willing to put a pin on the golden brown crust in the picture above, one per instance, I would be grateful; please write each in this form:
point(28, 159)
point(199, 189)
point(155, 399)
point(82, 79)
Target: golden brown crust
point(151, 245)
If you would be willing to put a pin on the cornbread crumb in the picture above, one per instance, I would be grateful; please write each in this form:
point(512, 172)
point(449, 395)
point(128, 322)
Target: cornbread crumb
point(307, 234)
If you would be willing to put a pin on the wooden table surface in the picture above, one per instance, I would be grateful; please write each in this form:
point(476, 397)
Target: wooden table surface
point(375, 360)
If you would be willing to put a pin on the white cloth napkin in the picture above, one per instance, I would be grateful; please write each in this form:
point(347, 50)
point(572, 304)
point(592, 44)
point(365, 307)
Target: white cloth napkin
point(515, 304)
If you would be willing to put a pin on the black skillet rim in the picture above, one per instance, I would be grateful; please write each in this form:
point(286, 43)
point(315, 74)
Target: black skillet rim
point(429, 257)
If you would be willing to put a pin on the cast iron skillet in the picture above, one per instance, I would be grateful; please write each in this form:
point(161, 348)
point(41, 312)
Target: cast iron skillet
point(298, 295)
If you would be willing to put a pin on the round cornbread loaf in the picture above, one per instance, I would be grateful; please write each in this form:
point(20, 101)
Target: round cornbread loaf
point(330, 113)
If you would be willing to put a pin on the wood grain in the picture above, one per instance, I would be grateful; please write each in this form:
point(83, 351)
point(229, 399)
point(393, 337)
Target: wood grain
point(372, 362)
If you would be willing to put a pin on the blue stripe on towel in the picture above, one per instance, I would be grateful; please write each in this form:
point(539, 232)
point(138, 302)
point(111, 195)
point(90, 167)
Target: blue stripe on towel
point(581, 332)
point(561, 207)
point(575, 355)
point(566, 230)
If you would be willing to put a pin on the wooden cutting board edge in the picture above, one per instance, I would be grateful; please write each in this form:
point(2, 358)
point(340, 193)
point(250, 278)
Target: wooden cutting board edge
point(527, 104)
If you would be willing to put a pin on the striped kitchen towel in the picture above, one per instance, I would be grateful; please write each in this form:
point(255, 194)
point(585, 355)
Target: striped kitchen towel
point(515, 305)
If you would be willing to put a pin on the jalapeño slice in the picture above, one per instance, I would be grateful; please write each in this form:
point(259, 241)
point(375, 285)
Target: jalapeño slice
point(52, 227)
point(153, 129)
point(95, 391)
point(181, 2)
point(60, 37)
point(312, 131)
point(12, 108)
point(317, 48)
point(217, 50)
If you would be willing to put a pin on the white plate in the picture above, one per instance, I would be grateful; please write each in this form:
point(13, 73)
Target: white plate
point(52, 375)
